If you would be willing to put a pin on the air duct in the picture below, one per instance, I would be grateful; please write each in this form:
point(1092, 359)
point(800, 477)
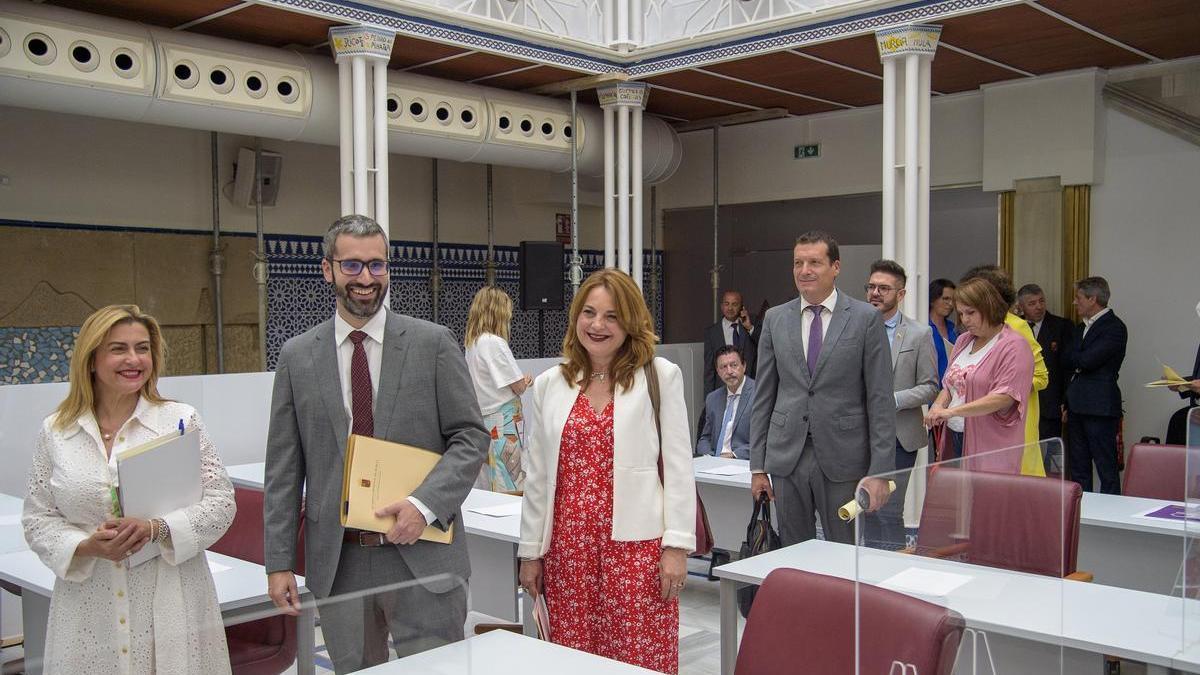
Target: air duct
point(62, 60)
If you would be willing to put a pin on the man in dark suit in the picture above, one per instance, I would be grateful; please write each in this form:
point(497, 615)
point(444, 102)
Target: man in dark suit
point(1053, 333)
point(734, 328)
point(1093, 397)
point(824, 418)
point(727, 410)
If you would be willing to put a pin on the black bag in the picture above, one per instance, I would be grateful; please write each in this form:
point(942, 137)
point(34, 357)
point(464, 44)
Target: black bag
point(760, 538)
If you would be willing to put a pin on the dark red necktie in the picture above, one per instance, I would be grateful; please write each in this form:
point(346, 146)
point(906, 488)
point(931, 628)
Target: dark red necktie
point(360, 388)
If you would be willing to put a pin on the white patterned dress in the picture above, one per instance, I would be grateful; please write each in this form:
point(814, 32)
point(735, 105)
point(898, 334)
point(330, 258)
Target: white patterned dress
point(161, 616)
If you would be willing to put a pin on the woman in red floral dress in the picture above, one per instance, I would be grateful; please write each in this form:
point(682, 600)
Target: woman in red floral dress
point(602, 535)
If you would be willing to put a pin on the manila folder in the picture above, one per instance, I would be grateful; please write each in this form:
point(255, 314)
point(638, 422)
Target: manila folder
point(158, 477)
point(379, 473)
point(1170, 378)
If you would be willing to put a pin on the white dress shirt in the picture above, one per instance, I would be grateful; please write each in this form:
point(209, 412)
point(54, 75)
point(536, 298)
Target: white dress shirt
point(732, 399)
point(727, 330)
point(1037, 328)
point(1087, 323)
point(373, 346)
point(806, 318)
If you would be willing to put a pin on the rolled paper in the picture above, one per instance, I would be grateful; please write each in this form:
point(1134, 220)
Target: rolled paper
point(852, 508)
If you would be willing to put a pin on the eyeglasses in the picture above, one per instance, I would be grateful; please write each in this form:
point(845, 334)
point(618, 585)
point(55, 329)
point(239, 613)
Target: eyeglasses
point(871, 288)
point(353, 268)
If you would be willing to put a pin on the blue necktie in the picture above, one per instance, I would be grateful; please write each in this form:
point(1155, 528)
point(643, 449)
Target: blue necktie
point(737, 336)
point(725, 423)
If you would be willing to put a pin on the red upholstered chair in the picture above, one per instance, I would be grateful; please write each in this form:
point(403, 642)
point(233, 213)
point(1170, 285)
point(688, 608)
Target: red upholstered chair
point(804, 623)
point(267, 646)
point(1018, 523)
point(1156, 471)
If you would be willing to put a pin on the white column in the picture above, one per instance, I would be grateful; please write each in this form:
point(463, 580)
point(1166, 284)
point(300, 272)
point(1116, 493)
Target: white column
point(921, 311)
point(610, 216)
point(889, 159)
point(635, 185)
point(380, 117)
point(346, 137)
point(912, 128)
point(623, 188)
point(358, 72)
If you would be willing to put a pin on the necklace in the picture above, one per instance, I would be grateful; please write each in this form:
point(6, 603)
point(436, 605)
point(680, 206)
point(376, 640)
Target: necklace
point(599, 376)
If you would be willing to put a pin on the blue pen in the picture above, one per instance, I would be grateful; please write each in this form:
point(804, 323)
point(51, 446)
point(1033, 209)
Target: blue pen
point(180, 426)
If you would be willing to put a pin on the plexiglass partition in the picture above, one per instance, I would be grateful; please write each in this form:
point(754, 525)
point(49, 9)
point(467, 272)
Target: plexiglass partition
point(973, 570)
point(1189, 657)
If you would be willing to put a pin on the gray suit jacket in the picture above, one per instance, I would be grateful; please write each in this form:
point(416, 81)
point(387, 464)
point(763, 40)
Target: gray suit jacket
point(714, 414)
point(914, 372)
point(425, 399)
point(846, 406)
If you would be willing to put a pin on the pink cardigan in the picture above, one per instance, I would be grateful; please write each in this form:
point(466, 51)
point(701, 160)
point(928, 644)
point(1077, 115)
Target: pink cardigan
point(1006, 369)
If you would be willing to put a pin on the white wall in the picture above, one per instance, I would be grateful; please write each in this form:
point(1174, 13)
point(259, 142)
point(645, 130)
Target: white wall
point(73, 169)
point(1146, 242)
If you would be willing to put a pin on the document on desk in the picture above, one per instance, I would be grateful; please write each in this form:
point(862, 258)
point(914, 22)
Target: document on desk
point(216, 567)
point(156, 478)
point(726, 470)
point(925, 582)
point(1176, 512)
point(379, 473)
point(505, 510)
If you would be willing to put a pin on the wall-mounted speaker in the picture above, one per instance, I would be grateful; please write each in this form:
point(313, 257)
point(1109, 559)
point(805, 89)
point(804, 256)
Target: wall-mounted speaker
point(243, 181)
point(541, 275)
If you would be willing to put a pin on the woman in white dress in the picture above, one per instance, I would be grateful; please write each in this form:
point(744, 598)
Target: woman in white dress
point(499, 384)
point(162, 615)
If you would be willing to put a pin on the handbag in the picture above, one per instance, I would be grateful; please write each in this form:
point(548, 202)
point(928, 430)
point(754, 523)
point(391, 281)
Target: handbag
point(760, 538)
point(704, 538)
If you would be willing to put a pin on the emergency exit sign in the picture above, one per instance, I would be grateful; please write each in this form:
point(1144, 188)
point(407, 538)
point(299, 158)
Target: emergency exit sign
point(807, 151)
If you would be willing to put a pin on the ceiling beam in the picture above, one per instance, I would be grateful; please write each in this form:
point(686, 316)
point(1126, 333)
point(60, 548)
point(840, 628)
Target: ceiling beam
point(980, 57)
point(732, 120)
point(506, 72)
point(215, 15)
point(705, 97)
point(437, 61)
point(577, 84)
point(852, 69)
point(777, 90)
point(1093, 32)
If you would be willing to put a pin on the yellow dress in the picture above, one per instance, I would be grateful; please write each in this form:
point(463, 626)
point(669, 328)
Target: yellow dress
point(1031, 460)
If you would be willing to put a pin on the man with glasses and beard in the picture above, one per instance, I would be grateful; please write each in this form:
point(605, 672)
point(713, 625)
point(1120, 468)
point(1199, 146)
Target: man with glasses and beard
point(372, 372)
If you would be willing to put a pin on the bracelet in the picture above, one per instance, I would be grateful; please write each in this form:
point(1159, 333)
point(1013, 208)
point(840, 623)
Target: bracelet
point(160, 531)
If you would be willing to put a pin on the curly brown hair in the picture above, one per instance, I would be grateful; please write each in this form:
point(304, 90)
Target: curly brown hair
point(632, 315)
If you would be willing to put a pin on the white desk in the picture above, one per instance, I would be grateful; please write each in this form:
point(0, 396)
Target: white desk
point(726, 499)
point(1026, 617)
point(503, 653)
point(241, 592)
point(1122, 549)
point(491, 544)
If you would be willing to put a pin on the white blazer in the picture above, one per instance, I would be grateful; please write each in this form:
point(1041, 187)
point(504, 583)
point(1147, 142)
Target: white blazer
point(643, 507)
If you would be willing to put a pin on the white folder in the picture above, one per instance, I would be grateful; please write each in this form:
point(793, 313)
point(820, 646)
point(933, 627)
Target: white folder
point(158, 477)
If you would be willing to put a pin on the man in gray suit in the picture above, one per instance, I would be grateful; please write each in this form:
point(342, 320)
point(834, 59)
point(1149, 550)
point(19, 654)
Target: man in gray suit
point(914, 373)
point(371, 372)
point(824, 417)
point(727, 410)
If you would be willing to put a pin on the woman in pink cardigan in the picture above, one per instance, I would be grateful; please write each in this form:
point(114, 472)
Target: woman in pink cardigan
point(986, 386)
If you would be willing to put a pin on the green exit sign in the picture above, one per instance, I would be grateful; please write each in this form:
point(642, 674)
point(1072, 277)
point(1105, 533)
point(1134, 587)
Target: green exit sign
point(807, 151)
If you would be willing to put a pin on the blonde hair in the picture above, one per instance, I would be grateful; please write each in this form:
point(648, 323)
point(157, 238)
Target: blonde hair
point(81, 397)
point(632, 315)
point(980, 295)
point(491, 312)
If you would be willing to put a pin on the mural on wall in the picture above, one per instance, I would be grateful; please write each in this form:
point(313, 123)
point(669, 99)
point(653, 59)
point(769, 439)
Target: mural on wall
point(299, 298)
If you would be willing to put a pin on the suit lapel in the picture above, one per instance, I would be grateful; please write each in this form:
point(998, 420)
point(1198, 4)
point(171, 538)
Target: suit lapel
point(897, 339)
point(329, 381)
point(795, 333)
point(391, 373)
point(837, 323)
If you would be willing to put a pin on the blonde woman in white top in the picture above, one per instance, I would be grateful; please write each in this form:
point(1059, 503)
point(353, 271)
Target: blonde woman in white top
point(499, 384)
point(162, 615)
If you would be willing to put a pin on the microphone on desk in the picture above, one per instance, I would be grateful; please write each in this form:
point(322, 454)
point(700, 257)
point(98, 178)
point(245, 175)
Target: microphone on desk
point(862, 500)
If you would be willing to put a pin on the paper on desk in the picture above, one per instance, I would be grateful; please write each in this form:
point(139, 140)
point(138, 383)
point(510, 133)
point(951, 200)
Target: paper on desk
point(10, 519)
point(512, 508)
point(925, 582)
point(726, 470)
point(216, 567)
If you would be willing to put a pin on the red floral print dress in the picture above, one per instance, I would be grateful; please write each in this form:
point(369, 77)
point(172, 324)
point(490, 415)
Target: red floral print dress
point(603, 595)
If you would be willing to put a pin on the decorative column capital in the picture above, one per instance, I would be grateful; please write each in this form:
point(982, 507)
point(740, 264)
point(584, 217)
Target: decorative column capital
point(629, 94)
point(903, 40)
point(348, 41)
